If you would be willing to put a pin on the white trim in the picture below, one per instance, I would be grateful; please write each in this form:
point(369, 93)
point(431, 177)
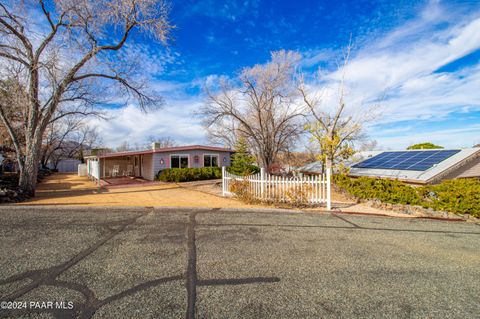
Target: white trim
point(211, 154)
point(180, 155)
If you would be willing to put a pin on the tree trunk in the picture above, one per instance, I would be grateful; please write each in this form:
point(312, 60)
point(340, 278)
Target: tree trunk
point(330, 153)
point(28, 175)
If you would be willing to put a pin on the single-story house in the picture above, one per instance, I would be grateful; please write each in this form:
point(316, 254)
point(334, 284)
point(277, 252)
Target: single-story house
point(421, 166)
point(147, 163)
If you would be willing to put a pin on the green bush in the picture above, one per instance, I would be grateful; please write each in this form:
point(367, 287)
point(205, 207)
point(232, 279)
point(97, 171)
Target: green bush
point(458, 196)
point(389, 191)
point(189, 174)
point(461, 196)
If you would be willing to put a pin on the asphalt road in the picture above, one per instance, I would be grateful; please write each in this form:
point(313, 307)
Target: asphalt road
point(180, 263)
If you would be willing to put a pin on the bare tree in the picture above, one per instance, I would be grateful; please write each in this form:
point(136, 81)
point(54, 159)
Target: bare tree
point(224, 132)
point(261, 104)
point(67, 138)
point(77, 53)
point(369, 145)
point(124, 147)
point(333, 128)
point(12, 93)
point(166, 141)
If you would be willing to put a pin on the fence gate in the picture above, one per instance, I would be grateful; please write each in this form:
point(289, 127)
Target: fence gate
point(314, 189)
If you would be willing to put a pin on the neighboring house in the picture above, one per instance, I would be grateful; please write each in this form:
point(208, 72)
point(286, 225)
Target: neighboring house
point(421, 166)
point(67, 165)
point(314, 168)
point(148, 163)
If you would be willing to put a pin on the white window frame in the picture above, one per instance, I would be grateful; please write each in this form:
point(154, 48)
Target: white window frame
point(216, 155)
point(179, 155)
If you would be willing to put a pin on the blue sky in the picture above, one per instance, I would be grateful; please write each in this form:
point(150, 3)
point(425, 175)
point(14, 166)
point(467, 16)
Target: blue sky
point(419, 61)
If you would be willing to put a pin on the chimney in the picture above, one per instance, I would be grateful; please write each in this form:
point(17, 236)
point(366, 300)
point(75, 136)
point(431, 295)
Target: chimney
point(155, 146)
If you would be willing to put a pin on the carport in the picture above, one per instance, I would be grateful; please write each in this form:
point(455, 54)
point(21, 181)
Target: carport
point(121, 166)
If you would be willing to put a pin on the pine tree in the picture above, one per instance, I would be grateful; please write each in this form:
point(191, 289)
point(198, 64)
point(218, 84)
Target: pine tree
point(242, 160)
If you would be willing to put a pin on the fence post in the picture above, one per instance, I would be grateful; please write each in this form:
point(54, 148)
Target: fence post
point(329, 198)
point(223, 181)
point(262, 182)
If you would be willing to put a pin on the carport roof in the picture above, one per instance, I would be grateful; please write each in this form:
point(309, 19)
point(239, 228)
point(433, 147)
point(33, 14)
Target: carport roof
point(165, 149)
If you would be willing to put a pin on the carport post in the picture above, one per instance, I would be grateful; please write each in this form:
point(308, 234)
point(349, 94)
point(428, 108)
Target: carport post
point(329, 198)
point(223, 181)
point(99, 174)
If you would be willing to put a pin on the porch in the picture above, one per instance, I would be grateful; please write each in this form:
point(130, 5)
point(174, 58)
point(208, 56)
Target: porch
point(121, 169)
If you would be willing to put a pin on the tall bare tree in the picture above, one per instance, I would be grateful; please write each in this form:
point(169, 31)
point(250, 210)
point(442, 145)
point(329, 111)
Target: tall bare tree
point(69, 60)
point(225, 133)
point(261, 103)
point(67, 138)
point(333, 128)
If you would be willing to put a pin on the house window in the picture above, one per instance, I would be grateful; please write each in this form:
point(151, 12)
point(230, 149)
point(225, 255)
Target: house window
point(179, 161)
point(210, 160)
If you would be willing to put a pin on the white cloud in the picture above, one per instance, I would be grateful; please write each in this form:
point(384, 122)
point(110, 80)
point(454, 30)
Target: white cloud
point(448, 138)
point(398, 71)
point(130, 124)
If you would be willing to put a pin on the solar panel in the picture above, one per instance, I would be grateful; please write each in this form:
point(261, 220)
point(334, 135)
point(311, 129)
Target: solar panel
point(407, 160)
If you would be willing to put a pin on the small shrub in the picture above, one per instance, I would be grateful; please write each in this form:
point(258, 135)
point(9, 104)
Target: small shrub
point(298, 195)
point(295, 196)
point(189, 174)
point(241, 190)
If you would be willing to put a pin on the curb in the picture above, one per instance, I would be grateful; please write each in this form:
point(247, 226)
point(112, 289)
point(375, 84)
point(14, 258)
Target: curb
point(406, 216)
point(252, 210)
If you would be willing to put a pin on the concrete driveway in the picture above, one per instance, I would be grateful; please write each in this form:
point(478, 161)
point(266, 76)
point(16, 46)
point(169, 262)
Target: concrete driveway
point(210, 263)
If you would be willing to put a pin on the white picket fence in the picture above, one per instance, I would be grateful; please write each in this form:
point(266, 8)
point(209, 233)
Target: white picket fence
point(271, 187)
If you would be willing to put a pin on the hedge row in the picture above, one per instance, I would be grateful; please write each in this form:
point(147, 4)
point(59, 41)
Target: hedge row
point(461, 196)
point(457, 196)
point(189, 174)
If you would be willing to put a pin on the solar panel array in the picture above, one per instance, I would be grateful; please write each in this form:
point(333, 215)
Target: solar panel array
point(407, 160)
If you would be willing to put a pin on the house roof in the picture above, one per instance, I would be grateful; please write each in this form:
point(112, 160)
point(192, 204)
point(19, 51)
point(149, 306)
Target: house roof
point(312, 168)
point(415, 176)
point(166, 149)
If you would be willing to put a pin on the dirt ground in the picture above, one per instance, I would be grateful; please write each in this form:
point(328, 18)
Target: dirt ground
point(70, 189)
